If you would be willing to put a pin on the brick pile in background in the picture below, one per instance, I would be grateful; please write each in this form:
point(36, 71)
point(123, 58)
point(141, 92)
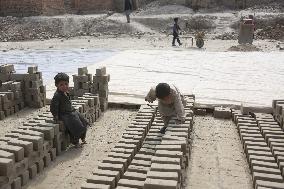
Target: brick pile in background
point(96, 85)
point(27, 150)
point(20, 90)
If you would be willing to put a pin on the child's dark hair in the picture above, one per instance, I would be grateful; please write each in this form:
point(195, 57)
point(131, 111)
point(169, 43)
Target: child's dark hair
point(175, 19)
point(61, 77)
point(162, 90)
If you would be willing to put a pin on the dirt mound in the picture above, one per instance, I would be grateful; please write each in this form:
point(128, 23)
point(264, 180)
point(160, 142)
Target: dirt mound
point(244, 48)
point(227, 36)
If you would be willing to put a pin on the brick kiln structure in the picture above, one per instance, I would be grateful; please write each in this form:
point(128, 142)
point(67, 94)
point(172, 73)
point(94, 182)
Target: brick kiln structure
point(31, 7)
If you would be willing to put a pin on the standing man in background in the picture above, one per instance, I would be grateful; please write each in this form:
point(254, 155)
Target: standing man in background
point(128, 9)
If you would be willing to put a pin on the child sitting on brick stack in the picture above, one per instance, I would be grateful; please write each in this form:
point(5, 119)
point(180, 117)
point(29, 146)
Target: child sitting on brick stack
point(61, 109)
point(171, 103)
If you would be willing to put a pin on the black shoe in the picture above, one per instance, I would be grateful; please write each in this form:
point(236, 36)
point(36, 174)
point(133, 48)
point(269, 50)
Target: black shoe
point(173, 45)
point(180, 44)
point(163, 130)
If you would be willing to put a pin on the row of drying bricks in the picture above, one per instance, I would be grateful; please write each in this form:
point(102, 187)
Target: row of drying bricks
point(25, 151)
point(263, 142)
point(145, 158)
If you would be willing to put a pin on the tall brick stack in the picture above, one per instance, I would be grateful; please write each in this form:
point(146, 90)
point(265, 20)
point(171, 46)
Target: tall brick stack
point(278, 111)
point(100, 86)
point(144, 158)
point(32, 89)
point(82, 82)
point(27, 150)
point(263, 142)
point(11, 98)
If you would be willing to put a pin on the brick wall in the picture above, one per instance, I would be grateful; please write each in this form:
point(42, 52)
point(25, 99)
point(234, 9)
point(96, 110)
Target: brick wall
point(31, 7)
point(94, 5)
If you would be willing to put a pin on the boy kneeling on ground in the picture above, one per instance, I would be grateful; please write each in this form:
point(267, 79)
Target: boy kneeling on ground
point(170, 103)
point(62, 109)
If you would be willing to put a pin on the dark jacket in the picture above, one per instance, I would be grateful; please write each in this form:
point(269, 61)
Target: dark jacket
point(60, 104)
point(128, 5)
point(176, 29)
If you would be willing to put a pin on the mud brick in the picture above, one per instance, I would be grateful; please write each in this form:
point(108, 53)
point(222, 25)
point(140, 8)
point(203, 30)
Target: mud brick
point(40, 165)
point(16, 150)
point(166, 168)
point(276, 144)
point(138, 162)
point(130, 141)
point(28, 146)
point(116, 161)
point(277, 148)
point(25, 177)
point(128, 157)
point(13, 135)
point(112, 167)
point(127, 146)
point(8, 155)
point(242, 131)
point(143, 157)
point(273, 132)
point(255, 139)
point(160, 183)
point(261, 158)
point(92, 186)
point(163, 175)
point(179, 134)
point(82, 71)
point(267, 177)
point(166, 160)
point(134, 176)
point(28, 132)
point(259, 153)
point(264, 164)
point(246, 143)
point(101, 71)
point(170, 148)
point(257, 148)
point(131, 183)
point(82, 78)
point(33, 171)
point(147, 151)
point(170, 154)
point(6, 166)
point(220, 112)
point(97, 179)
point(36, 140)
point(153, 138)
point(17, 183)
point(47, 159)
point(268, 184)
point(267, 170)
point(138, 169)
point(267, 136)
point(115, 174)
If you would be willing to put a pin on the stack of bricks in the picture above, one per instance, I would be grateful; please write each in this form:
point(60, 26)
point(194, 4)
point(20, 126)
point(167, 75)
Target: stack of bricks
point(222, 113)
point(25, 151)
point(89, 106)
point(112, 169)
point(22, 89)
point(82, 82)
point(278, 111)
point(262, 141)
point(145, 158)
point(11, 98)
point(100, 86)
point(34, 91)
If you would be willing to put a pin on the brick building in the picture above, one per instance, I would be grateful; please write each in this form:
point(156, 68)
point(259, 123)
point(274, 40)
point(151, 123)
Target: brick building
point(55, 7)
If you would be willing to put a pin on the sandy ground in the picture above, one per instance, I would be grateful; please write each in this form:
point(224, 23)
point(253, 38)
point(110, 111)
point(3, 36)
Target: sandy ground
point(125, 42)
point(217, 158)
point(73, 166)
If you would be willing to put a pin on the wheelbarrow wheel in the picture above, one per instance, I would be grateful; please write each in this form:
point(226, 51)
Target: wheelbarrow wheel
point(199, 42)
